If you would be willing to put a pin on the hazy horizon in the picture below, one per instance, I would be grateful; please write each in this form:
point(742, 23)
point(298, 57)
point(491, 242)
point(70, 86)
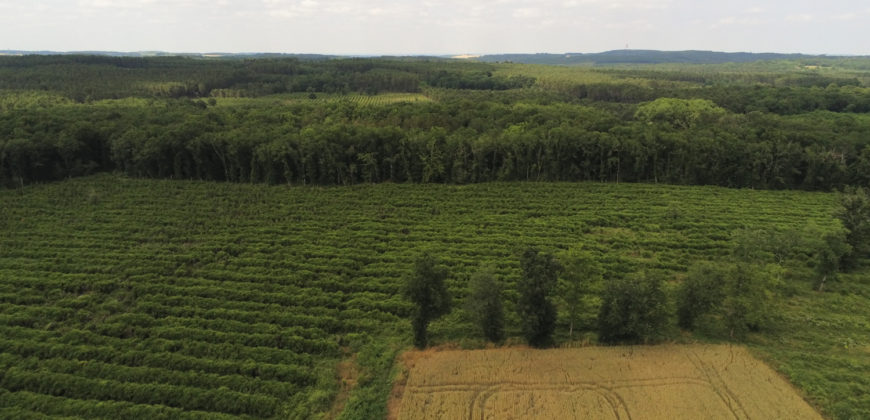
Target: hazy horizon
point(450, 55)
point(450, 27)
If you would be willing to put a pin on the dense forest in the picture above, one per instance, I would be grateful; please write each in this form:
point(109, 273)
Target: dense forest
point(781, 125)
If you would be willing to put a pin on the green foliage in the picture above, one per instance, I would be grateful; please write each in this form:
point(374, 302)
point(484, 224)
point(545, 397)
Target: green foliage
point(679, 113)
point(831, 249)
point(445, 121)
point(634, 309)
point(702, 290)
point(748, 300)
point(777, 246)
point(369, 399)
point(426, 289)
point(484, 303)
point(578, 284)
point(478, 80)
point(535, 306)
point(741, 295)
point(855, 215)
point(760, 245)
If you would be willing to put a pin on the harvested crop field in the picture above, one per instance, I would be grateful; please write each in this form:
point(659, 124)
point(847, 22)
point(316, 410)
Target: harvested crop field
point(656, 382)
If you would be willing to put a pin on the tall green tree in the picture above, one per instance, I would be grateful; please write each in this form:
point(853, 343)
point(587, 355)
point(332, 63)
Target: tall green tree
point(633, 309)
point(854, 212)
point(484, 304)
point(740, 295)
point(748, 301)
point(535, 307)
point(832, 247)
point(426, 289)
point(701, 292)
point(580, 277)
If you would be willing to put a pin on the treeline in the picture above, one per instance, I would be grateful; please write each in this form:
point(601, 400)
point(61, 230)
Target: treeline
point(454, 141)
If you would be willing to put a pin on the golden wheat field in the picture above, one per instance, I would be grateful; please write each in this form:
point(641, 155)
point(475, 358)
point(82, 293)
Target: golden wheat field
point(654, 382)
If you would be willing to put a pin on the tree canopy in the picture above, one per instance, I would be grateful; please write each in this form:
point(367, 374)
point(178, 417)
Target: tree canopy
point(426, 289)
point(484, 303)
point(427, 120)
point(535, 305)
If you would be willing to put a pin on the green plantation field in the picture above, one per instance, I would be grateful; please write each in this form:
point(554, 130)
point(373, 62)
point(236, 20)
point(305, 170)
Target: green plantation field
point(131, 298)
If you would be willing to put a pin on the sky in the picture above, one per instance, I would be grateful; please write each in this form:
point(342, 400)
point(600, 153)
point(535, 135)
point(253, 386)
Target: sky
point(436, 27)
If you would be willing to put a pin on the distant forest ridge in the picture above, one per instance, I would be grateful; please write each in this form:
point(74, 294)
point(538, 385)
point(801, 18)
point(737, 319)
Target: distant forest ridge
point(647, 57)
point(626, 56)
point(176, 54)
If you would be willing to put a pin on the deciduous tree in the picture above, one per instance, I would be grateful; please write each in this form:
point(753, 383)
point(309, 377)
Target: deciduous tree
point(701, 292)
point(484, 304)
point(580, 277)
point(832, 247)
point(535, 307)
point(425, 288)
point(855, 215)
point(633, 309)
point(748, 300)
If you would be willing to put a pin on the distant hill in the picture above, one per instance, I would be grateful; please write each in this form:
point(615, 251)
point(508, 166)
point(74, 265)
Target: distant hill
point(641, 57)
point(607, 57)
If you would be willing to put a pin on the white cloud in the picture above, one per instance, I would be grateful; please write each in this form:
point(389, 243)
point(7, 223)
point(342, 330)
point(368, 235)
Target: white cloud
point(99, 3)
point(291, 9)
point(575, 3)
point(639, 5)
point(800, 18)
point(162, 6)
point(846, 16)
point(527, 13)
point(340, 8)
point(730, 20)
point(738, 21)
point(638, 24)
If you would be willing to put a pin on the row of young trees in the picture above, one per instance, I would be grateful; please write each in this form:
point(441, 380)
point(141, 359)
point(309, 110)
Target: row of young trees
point(629, 310)
point(737, 295)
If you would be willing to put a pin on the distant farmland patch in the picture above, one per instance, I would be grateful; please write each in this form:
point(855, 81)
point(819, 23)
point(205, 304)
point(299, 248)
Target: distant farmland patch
point(661, 382)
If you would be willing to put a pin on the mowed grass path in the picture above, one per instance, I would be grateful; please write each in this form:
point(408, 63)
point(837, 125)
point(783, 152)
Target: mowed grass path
point(129, 297)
